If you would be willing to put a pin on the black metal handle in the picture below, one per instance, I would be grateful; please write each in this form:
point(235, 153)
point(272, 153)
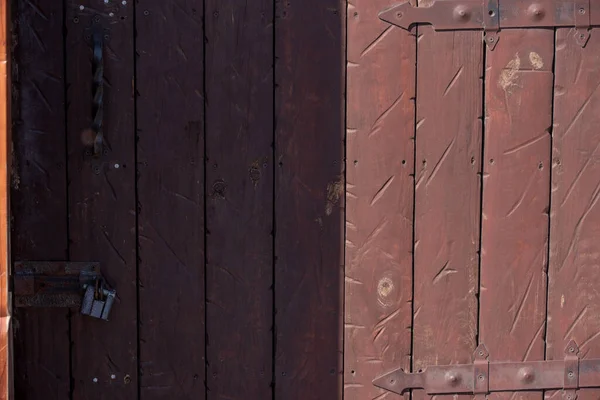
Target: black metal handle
point(98, 88)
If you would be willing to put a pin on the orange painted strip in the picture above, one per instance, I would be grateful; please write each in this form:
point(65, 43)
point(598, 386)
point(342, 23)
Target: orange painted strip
point(5, 327)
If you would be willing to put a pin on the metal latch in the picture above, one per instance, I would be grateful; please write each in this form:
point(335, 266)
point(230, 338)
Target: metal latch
point(493, 15)
point(483, 377)
point(62, 284)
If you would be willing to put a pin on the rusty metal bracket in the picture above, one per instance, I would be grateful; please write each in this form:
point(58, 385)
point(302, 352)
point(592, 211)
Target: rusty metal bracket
point(491, 16)
point(484, 377)
point(52, 284)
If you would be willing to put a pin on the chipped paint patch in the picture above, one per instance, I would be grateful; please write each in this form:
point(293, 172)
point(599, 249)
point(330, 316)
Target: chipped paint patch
point(508, 75)
point(537, 62)
point(334, 192)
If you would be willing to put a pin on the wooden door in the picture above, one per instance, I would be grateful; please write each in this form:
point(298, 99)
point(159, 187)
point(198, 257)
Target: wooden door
point(472, 189)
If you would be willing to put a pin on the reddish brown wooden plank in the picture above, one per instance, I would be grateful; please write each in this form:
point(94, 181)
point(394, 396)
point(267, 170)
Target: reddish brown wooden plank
point(573, 304)
point(39, 191)
point(309, 198)
point(6, 362)
point(170, 167)
point(516, 192)
point(447, 198)
point(239, 198)
point(102, 208)
point(380, 182)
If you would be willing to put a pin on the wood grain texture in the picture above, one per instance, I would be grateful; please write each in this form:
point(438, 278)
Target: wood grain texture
point(39, 192)
point(170, 173)
point(102, 207)
point(379, 195)
point(447, 198)
point(516, 195)
point(6, 365)
point(573, 304)
point(309, 198)
point(239, 198)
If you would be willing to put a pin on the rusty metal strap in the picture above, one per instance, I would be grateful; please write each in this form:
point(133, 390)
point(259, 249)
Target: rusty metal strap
point(483, 377)
point(470, 15)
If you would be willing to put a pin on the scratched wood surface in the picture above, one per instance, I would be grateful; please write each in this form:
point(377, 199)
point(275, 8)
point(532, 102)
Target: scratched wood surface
point(309, 198)
point(102, 203)
point(170, 173)
point(6, 345)
point(239, 198)
point(447, 197)
point(516, 193)
point(39, 192)
point(573, 304)
point(380, 193)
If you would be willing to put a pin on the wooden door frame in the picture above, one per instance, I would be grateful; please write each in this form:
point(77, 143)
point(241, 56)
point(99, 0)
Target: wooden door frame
point(5, 97)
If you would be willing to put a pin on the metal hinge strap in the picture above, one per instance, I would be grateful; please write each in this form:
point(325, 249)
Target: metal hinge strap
point(491, 16)
point(483, 377)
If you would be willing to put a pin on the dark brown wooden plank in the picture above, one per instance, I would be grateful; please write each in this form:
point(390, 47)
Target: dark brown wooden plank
point(516, 193)
point(170, 168)
point(239, 198)
point(573, 302)
point(380, 192)
point(39, 191)
point(102, 208)
point(309, 198)
point(447, 198)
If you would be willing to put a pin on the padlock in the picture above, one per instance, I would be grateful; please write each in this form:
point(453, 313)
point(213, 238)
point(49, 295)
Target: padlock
point(97, 301)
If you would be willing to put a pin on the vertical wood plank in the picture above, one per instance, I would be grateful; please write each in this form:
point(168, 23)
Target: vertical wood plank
point(239, 196)
point(6, 362)
point(102, 207)
point(39, 192)
point(170, 171)
point(309, 198)
point(380, 192)
point(573, 302)
point(447, 198)
point(516, 192)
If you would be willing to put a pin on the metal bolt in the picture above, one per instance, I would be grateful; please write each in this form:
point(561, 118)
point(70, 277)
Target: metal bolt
point(399, 15)
point(492, 13)
point(571, 374)
point(582, 11)
point(481, 353)
point(491, 39)
point(481, 377)
point(572, 349)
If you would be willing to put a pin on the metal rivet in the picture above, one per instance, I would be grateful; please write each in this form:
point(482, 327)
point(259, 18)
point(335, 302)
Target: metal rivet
point(491, 39)
point(111, 14)
point(95, 380)
point(105, 1)
point(572, 349)
point(481, 377)
point(124, 2)
point(399, 15)
point(582, 11)
point(535, 11)
point(526, 374)
point(571, 374)
point(481, 353)
point(116, 166)
point(492, 13)
point(113, 376)
point(452, 378)
point(81, 8)
point(146, 12)
point(461, 13)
